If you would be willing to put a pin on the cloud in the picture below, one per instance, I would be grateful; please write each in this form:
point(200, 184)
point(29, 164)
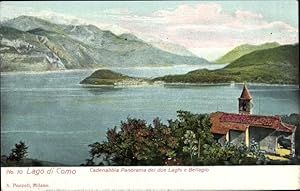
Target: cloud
point(207, 25)
point(186, 14)
point(245, 15)
point(207, 15)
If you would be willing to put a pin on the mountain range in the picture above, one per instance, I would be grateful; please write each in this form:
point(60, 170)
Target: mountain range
point(33, 44)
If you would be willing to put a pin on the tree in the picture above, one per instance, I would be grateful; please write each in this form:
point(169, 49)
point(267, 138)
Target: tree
point(19, 152)
point(198, 146)
point(135, 143)
point(189, 139)
point(186, 140)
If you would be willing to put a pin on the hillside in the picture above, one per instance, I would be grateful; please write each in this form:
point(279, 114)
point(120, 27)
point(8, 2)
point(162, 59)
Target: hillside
point(278, 65)
point(33, 44)
point(242, 50)
point(111, 78)
point(41, 50)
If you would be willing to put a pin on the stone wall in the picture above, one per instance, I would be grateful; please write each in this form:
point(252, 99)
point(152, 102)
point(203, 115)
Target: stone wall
point(236, 137)
point(266, 138)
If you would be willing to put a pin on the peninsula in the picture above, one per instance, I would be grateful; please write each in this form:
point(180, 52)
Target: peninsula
point(105, 77)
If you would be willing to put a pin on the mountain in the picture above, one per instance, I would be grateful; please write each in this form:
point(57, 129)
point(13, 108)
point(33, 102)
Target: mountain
point(33, 44)
point(278, 65)
point(243, 50)
point(171, 47)
point(26, 23)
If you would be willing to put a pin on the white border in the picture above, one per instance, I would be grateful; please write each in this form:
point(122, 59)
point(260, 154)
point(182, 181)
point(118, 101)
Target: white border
point(130, 178)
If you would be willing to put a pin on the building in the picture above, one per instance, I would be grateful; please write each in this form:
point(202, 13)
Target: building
point(272, 135)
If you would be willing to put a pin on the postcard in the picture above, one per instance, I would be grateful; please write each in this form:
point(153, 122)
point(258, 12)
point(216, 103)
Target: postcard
point(149, 95)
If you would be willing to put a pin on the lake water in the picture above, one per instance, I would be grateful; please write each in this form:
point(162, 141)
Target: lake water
point(58, 118)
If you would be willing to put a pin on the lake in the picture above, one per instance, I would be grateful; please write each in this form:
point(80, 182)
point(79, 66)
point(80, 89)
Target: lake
point(58, 118)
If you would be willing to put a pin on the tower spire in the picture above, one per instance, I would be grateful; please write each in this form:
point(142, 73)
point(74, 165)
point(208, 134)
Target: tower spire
point(245, 93)
point(245, 101)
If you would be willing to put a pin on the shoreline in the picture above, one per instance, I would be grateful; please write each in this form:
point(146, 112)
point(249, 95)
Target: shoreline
point(124, 85)
point(106, 67)
point(160, 83)
point(227, 84)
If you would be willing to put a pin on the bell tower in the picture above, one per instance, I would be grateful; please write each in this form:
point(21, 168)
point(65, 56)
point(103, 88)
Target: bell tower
point(245, 102)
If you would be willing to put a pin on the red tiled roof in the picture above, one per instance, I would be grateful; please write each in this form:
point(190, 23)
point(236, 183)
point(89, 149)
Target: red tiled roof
point(250, 119)
point(287, 127)
point(245, 94)
point(217, 126)
point(223, 122)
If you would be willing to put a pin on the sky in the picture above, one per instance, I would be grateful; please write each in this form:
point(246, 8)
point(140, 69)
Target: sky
point(206, 28)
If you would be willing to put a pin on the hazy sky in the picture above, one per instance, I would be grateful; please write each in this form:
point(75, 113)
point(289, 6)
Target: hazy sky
point(207, 28)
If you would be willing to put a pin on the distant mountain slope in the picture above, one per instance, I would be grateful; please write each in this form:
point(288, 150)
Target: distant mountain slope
point(278, 65)
point(30, 43)
point(243, 50)
point(40, 50)
point(170, 47)
point(26, 23)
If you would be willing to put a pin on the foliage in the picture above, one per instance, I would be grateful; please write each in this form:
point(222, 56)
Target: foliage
point(187, 140)
point(135, 143)
point(108, 74)
point(108, 77)
point(19, 152)
point(293, 119)
point(242, 154)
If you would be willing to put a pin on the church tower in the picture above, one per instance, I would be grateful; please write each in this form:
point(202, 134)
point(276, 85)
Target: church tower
point(245, 103)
